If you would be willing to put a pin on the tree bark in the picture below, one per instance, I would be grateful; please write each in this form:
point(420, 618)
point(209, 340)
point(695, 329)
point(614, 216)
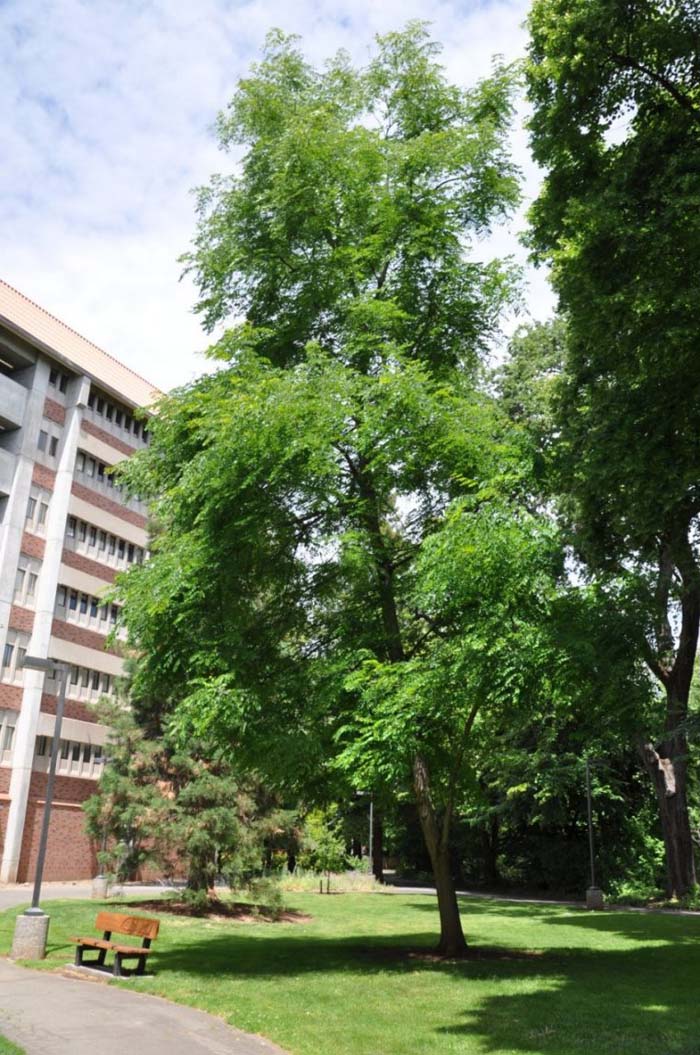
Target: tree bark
point(667, 762)
point(452, 942)
point(378, 847)
point(490, 833)
point(668, 768)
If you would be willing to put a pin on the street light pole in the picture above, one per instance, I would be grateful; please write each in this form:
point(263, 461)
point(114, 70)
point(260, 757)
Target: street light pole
point(32, 926)
point(371, 834)
point(62, 672)
point(594, 896)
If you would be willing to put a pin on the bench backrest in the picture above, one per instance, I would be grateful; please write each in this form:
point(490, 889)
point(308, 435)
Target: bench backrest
point(136, 925)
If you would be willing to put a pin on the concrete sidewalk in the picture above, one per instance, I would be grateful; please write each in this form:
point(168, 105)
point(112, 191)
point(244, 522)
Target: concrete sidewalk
point(49, 1015)
point(12, 894)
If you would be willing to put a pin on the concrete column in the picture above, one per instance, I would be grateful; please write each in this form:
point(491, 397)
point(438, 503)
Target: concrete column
point(22, 443)
point(26, 730)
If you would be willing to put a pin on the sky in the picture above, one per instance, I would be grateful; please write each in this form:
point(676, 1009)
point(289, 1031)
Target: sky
point(106, 126)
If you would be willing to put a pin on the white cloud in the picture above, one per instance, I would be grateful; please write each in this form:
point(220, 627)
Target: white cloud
point(108, 106)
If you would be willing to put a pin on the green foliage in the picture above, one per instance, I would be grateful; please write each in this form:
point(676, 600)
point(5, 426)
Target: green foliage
point(616, 125)
point(323, 847)
point(129, 807)
point(184, 812)
point(296, 487)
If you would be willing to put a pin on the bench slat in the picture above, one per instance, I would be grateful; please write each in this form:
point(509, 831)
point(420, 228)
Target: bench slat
point(138, 926)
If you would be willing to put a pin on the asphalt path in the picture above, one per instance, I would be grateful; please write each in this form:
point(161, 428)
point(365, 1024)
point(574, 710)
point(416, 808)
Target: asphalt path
point(47, 1014)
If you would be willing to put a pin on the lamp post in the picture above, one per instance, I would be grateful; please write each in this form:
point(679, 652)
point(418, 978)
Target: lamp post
point(32, 927)
point(594, 895)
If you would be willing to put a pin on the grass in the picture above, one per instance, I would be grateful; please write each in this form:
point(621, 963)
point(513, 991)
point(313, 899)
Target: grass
point(543, 980)
point(7, 1048)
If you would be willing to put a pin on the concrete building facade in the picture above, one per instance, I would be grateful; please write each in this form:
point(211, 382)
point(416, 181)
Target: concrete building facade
point(66, 529)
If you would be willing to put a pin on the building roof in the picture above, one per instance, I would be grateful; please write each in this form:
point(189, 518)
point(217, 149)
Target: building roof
point(52, 336)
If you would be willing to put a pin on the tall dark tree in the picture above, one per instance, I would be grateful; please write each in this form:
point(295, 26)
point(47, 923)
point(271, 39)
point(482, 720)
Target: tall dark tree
point(616, 126)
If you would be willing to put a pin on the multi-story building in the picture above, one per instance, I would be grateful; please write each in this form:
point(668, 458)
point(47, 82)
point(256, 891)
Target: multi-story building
point(66, 529)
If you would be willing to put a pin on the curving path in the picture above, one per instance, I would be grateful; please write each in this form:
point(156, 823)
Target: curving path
point(49, 1015)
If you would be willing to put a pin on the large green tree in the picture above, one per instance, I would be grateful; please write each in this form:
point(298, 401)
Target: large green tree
point(299, 486)
point(616, 126)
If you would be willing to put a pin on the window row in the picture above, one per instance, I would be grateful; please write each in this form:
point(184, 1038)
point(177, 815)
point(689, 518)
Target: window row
point(119, 416)
point(95, 469)
point(59, 380)
point(88, 537)
point(77, 607)
point(84, 683)
point(75, 758)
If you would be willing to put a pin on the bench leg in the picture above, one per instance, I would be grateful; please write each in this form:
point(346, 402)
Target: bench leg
point(117, 970)
point(78, 955)
point(100, 961)
point(141, 967)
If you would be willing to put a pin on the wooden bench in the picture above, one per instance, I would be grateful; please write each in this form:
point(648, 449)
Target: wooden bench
point(113, 923)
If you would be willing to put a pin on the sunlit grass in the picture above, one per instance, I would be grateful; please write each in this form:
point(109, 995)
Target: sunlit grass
point(352, 980)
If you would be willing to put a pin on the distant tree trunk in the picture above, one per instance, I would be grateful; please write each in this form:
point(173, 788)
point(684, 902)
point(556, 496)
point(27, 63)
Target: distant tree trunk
point(490, 834)
point(378, 846)
point(668, 767)
point(452, 941)
point(667, 762)
point(356, 847)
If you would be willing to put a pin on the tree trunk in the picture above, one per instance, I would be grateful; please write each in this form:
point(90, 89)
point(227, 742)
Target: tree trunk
point(490, 834)
point(378, 847)
point(667, 762)
point(452, 941)
point(668, 767)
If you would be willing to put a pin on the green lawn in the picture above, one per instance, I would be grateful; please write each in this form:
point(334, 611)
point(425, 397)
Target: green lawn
point(6, 1048)
point(572, 982)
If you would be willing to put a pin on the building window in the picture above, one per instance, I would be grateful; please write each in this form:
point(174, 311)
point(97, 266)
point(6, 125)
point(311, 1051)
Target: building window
point(43, 746)
point(53, 447)
point(43, 440)
point(8, 720)
point(13, 656)
point(37, 510)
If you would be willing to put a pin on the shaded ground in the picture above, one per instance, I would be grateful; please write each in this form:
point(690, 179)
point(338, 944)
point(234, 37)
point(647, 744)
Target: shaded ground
point(359, 979)
point(218, 909)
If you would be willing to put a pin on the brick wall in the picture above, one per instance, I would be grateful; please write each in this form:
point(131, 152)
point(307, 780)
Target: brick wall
point(95, 499)
point(54, 411)
point(70, 854)
point(78, 635)
point(90, 567)
point(43, 477)
point(21, 619)
point(107, 437)
point(32, 546)
point(73, 708)
point(11, 697)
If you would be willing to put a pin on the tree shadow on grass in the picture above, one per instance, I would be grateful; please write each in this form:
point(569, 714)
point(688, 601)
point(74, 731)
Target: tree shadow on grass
point(571, 1001)
point(580, 999)
point(637, 1001)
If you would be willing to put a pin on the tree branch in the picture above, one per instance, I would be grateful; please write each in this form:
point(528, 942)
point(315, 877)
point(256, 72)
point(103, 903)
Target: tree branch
point(680, 97)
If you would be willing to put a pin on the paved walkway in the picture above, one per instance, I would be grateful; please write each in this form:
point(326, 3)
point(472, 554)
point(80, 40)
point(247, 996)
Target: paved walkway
point(49, 1015)
point(12, 894)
